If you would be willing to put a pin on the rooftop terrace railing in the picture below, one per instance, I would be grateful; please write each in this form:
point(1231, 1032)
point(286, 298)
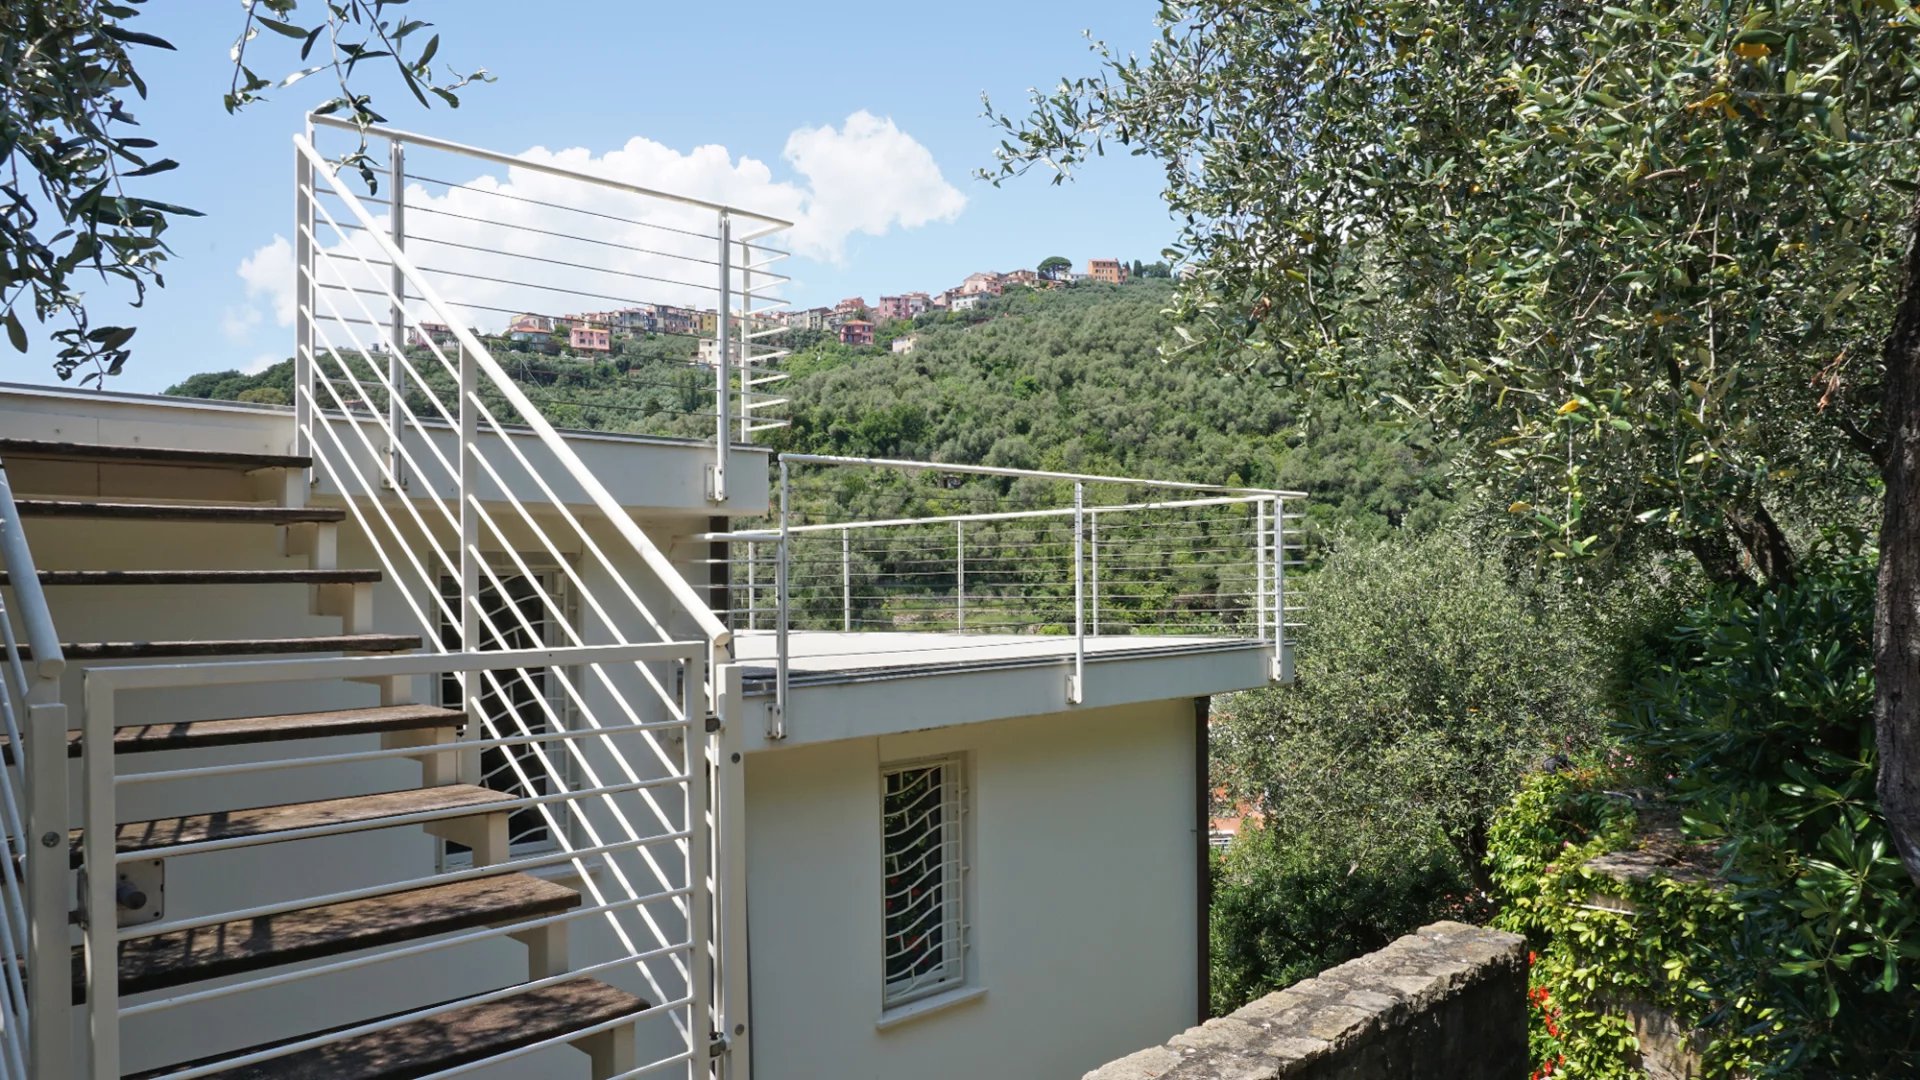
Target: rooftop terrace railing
point(865, 546)
point(601, 298)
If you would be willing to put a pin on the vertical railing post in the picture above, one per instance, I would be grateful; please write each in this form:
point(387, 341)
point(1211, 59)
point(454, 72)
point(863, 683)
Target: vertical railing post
point(702, 864)
point(846, 581)
point(1279, 562)
point(99, 898)
point(753, 589)
point(49, 949)
point(469, 761)
point(1260, 568)
point(730, 875)
point(722, 364)
point(960, 577)
point(1093, 545)
point(745, 371)
point(397, 309)
point(777, 726)
point(1076, 686)
point(303, 291)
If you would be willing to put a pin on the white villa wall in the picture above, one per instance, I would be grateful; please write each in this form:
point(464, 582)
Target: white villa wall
point(1082, 899)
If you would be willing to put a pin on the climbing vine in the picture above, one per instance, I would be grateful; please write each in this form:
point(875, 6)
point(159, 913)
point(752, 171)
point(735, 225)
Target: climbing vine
point(1601, 943)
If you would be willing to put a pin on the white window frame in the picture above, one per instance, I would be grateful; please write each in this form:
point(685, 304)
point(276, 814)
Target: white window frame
point(943, 810)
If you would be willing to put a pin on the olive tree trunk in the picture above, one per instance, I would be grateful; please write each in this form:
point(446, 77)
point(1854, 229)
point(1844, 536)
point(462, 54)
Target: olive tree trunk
point(1896, 621)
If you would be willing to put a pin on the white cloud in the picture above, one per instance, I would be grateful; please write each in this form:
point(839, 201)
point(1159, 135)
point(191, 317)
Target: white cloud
point(867, 177)
point(262, 362)
point(269, 273)
point(239, 322)
point(497, 241)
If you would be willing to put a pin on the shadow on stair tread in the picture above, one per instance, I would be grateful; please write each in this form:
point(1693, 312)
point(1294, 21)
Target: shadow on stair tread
point(156, 836)
point(462, 1035)
point(50, 578)
point(133, 454)
point(232, 948)
point(202, 512)
point(277, 727)
point(320, 643)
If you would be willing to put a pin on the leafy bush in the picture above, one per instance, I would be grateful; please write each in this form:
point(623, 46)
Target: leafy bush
point(1756, 721)
point(1289, 905)
point(1428, 683)
point(1589, 958)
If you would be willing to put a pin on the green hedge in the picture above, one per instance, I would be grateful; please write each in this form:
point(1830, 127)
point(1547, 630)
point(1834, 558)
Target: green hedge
point(1752, 717)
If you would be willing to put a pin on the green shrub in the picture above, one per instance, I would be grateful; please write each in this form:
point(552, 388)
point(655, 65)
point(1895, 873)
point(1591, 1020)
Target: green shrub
point(1755, 720)
point(1287, 906)
point(1429, 682)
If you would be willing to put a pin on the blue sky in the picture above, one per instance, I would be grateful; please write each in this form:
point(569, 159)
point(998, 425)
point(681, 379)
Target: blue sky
point(593, 75)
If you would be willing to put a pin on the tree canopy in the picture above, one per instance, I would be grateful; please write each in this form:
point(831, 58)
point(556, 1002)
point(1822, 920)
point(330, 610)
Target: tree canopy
point(1637, 260)
point(69, 205)
point(1639, 257)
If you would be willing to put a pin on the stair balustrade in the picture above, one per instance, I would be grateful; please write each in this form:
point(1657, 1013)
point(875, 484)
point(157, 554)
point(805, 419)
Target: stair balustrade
point(35, 1014)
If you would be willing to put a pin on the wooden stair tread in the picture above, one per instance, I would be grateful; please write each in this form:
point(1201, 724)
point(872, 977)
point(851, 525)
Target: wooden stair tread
point(158, 835)
point(239, 730)
point(233, 948)
point(204, 577)
point(324, 643)
point(459, 1036)
point(207, 512)
point(110, 454)
point(195, 734)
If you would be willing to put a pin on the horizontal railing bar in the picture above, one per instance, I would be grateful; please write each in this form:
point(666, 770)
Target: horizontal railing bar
point(557, 235)
point(581, 210)
point(634, 1074)
point(461, 938)
point(153, 676)
point(310, 832)
point(390, 753)
point(416, 238)
point(992, 470)
point(948, 519)
point(391, 1022)
point(536, 166)
point(491, 280)
point(574, 1036)
point(369, 892)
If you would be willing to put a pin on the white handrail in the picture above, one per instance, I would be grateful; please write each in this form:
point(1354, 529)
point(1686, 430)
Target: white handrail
point(711, 627)
point(35, 616)
point(774, 224)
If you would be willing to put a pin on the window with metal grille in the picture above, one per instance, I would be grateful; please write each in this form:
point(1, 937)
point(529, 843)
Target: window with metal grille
point(922, 829)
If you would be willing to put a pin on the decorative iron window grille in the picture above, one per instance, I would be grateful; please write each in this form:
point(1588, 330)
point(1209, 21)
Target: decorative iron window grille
point(922, 828)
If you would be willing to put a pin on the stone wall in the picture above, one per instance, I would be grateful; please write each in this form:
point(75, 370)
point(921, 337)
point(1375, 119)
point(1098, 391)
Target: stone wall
point(1447, 1002)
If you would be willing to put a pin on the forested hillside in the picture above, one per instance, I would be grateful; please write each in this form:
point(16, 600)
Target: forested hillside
point(1068, 379)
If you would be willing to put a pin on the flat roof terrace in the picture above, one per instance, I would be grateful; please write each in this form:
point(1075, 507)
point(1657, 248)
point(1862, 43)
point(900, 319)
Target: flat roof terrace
point(844, 685)
point(887, 595)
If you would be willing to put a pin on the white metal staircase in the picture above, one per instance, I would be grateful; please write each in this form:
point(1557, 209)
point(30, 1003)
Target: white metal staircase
point(158, 950)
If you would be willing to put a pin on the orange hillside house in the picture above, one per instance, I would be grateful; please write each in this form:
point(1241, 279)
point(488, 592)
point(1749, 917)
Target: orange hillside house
point(1111, 271)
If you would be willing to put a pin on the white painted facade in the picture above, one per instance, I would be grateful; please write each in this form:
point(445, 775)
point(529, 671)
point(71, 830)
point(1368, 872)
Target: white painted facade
point(1081, 894)
point(1082, 827)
